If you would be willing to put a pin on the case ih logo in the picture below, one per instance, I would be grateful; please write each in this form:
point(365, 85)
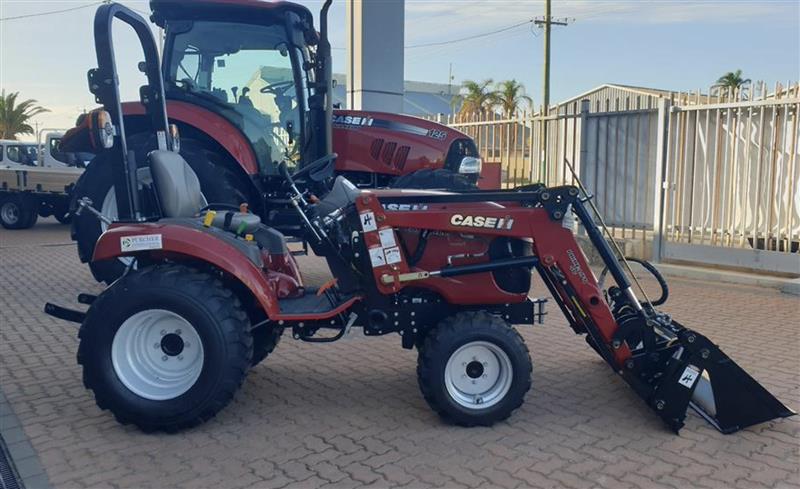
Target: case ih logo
point(405, 207)
point(575, 267)
point(481, 222)
point(352, 121)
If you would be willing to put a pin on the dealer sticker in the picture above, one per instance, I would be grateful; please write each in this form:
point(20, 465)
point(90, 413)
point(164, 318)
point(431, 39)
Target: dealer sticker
point(142, 242)
point(368, 221)
point(387, 237)
point(376, 257)
point(690, 374)
point(393, 255)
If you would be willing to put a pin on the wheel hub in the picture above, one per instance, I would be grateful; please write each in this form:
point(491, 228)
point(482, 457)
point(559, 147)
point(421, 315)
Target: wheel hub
point(172, 344)
point(10, 213)
point(474, 369)
point(478, 375)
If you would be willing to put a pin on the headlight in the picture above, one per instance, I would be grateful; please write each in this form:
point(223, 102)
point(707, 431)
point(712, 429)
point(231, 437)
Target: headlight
point(103, 130)
point(470, 165)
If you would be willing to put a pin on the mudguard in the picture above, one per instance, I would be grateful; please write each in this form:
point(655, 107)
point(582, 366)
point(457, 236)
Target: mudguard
point(182, 240)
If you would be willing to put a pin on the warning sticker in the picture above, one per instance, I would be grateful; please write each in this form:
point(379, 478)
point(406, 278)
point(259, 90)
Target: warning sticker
point(387, 237)
point(376, 257)
point(393, 255)
point(142, 242)
point(368, 221)
point(690, 374)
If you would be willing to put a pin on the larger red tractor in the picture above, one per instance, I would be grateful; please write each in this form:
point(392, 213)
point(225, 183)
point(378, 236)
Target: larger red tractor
point(210, 289)
point(241, 85)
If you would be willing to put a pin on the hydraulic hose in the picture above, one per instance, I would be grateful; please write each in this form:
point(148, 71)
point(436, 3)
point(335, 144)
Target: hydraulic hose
point(662, 283)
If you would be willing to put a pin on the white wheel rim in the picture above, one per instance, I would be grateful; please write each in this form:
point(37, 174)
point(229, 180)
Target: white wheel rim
point(10, 213)
point(157, 354)
point(478, 375)
point(109, 209)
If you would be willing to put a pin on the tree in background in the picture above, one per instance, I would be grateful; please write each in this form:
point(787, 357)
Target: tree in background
point(510, 97)
point(15, 118)
point(732, 81)
point(476, 97)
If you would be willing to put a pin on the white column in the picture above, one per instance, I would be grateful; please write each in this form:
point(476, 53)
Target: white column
point(375, 37)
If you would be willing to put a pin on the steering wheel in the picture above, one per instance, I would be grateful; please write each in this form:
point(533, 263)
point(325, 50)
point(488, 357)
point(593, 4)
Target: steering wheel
point(273, 88)
point(312, 168)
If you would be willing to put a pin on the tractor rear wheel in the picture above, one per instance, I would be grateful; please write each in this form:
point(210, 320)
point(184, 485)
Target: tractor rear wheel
point(265, 339)
point(165, 348)
point(219, 186)
point(439, 179)
point(474, 369)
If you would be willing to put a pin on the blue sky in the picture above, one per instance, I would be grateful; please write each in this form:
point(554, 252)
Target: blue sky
point(669, 44)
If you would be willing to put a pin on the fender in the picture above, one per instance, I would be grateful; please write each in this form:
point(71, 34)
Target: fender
point(216, 127)
point(178, 241)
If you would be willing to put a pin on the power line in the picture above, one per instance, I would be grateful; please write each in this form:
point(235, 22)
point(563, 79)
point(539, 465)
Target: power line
point(468, 38)
point(51, 12)
point(462, 39)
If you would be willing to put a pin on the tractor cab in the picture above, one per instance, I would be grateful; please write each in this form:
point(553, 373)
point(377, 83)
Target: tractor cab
point(260, 65)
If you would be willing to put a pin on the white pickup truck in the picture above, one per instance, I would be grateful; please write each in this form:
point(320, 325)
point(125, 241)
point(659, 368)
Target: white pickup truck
point(36, 180)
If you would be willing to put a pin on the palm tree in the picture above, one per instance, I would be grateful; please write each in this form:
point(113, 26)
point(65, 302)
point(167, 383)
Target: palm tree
point(476, 97)
point(15, 118)
point(732, 81)
point(511, 96)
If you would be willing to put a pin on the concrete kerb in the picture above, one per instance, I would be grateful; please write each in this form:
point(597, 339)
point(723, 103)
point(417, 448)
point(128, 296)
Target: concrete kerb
point(22, 454)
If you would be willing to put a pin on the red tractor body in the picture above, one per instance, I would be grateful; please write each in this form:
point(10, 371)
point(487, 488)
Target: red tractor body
point(372, 147)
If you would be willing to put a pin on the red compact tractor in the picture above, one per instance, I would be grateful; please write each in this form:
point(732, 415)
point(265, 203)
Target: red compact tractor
point(243, 95)
point(210, 288)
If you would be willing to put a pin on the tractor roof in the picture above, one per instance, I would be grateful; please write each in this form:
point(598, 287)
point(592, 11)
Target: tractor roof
point(220, 8)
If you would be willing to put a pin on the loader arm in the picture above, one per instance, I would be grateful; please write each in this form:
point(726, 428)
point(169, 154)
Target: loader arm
point(671, 367)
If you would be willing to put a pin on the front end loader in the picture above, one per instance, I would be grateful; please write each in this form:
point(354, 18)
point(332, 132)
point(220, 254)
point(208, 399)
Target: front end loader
point(210, 289)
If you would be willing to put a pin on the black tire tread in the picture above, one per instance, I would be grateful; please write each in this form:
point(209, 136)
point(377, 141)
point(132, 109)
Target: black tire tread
point(453, 327)
point(204, 288)
point(265, 340)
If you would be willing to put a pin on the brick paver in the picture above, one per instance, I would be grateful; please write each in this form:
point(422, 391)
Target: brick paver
point(349, 414)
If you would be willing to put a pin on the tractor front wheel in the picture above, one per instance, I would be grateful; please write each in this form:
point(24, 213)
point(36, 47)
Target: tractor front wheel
point(165, 348)
point(474, 369)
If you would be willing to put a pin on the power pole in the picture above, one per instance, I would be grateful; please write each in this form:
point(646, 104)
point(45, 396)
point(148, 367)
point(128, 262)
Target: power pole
point(450, 80)
point(545, 23)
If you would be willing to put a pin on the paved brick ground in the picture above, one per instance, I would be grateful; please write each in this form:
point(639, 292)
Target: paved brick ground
point(350, 414)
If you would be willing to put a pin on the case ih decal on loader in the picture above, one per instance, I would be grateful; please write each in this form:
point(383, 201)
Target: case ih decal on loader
point(167, 345)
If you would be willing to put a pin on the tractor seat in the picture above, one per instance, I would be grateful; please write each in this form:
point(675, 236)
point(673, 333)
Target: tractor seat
point(179, 193)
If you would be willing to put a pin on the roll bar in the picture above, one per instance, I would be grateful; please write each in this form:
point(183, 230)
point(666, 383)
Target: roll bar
point(104, 84)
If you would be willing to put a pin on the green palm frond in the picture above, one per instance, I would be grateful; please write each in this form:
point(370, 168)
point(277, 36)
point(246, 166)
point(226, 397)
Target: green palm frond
point(16, 117)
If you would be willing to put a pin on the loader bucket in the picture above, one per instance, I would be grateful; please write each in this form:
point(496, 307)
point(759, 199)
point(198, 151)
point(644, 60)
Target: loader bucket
point(730, 399)
point(701, 376)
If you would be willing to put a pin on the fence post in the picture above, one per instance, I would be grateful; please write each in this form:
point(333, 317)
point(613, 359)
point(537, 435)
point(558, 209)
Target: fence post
point(659, 193)
point(584, 152)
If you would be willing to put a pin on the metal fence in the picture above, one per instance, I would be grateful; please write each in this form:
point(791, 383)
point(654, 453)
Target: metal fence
point(733, 182)
point(517, 144)
point(711, 178)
